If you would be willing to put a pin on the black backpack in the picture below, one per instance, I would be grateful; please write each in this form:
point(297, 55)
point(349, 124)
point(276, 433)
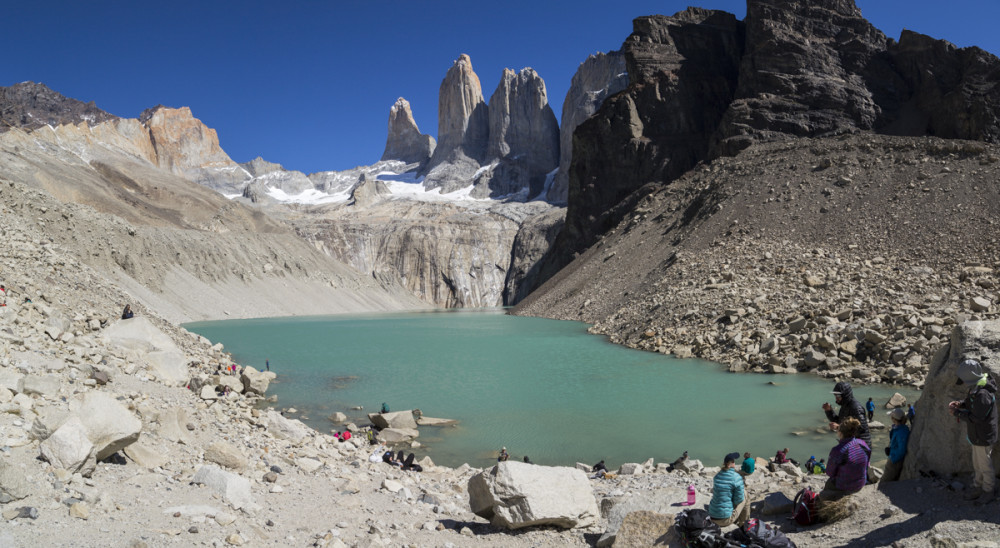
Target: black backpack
point(697, 530)
point(758, 534)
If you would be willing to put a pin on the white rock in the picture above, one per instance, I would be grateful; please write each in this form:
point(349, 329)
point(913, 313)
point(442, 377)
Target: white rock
point(46, 385)
point(70, 448)
point(170, 367)
point(173, 426)
point(515, 495)
point(287, 429)
point(234, 489)
point(110, 425)
point(391, 485)
point(255, 382)
point(397, 419)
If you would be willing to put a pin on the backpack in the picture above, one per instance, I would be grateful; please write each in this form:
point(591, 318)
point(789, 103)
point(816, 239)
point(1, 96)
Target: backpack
point(697, 530)
point(804, 507)
point(758, 534)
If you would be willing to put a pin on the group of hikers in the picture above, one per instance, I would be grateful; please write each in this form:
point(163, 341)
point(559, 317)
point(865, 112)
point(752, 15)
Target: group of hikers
point(847, 464)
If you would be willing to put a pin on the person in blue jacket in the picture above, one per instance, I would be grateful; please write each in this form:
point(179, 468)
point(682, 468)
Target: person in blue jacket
point(898, 438)
point(729, 502)
point(870, 407)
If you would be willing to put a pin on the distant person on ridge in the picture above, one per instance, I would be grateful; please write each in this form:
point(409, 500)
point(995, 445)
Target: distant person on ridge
point(127, 313)
point(979, 410)
point(870, 407)
point(729, 502)
point(749, 463)
point(267, 365)
point(849, 407)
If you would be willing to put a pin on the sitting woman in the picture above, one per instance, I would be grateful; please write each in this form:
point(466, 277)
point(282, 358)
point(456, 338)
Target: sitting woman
point(847, 464)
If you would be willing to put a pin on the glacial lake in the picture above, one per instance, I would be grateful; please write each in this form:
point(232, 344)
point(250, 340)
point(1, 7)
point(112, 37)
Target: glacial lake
point(542, 388)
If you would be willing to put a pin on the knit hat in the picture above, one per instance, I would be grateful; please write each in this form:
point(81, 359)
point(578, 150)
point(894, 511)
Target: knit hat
point(898, 414)
point(731, 458)
point(969, 371)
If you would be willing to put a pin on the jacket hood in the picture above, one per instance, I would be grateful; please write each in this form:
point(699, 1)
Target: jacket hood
point(844, 389)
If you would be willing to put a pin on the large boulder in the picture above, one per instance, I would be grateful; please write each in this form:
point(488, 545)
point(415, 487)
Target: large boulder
point(169, 366)
point(396, 419)
point(658, 502)
point(231, 487)
point(138, 334)
point(287, 429)
point(226, 454)
point(516, 494)
point(397, 435)
point(256, 382)
point(42, 385)
point(110, 425)
point(13, 483)
point(937, 443)
point(173, 425)
point(69, 448)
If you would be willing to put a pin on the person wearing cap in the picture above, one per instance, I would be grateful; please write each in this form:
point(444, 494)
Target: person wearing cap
point(504, 455)
point(979, 410)
point(847, 464)
point(898, 438)
point(729, 502)
point(849, 407)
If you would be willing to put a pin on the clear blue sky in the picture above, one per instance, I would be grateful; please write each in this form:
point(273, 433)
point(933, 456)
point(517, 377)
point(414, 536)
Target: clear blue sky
point(309, 83)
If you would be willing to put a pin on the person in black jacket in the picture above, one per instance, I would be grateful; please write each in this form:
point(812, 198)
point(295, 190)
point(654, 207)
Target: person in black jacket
point(979, 410)
point(849, 407)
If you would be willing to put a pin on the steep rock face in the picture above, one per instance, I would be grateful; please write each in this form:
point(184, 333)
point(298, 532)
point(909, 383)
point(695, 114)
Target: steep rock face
point(29, 105)
point(270, 175)
point(368, 190)
point(683, 73)
point(533, 239)
point(404, 141)
point(599, 77)
point(187, 147)
point(937, 443)
point(703, 85)
point(802, 74)
point(523, 129)
point(940, 90)
point(463, 129)
point(449, 255)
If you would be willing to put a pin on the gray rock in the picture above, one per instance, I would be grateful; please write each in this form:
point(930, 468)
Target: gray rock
point(287, 429)
point(173, 426)
point(226, 454)
point(776, 503)
point(404, 141)
point(515, 495)
point(256, 382)
point(645, 528)
point(47, 420)
point(146, 456)
point(47, 385)
point(980, 304)
point(232, 488)
point(463, 128)
point(630, 469)
point(398, 435)
point(13, 484)
point(396, 419)
point(69, 448)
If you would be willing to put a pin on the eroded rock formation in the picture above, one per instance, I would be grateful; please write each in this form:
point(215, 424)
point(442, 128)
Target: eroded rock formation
point(29, 105)
point(404, 141)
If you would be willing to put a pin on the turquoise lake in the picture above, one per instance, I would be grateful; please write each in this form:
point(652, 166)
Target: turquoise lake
point(542, 388)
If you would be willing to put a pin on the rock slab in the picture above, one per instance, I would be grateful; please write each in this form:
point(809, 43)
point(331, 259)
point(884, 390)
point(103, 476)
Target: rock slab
point(514, 495)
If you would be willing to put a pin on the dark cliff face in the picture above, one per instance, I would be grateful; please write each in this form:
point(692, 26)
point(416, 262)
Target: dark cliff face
point(30, 105)
point(703, 84)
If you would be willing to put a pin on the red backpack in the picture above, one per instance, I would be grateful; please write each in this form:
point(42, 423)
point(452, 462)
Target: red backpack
point(804, 507)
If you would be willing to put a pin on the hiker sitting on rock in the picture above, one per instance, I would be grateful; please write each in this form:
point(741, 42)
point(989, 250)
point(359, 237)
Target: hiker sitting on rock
point(749, 463)
point(729, 502)
point(781, 457)
point(504, 455)
point(848, 462)
point(898, 438)
point(849, 407)
point(600, 470)
point(127, 313)
point(979, 410)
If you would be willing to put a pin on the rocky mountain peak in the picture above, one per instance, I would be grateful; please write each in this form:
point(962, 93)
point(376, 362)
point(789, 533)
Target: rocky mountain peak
point(32, 105)
point(523, 129)
point(463, 128)
point(259, 166)
point(404, 141)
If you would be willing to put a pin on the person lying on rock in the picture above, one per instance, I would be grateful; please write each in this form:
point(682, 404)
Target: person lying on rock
point(898, 438)
point(729, 501)
point(979, 411)
point(847, 464)
point(677, 462)
point(849, 407)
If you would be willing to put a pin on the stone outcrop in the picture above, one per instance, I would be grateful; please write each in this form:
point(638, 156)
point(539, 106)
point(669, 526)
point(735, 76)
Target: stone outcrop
point(256, 382)
point(109, 425)
point(404, 141)
point(514, 495)
point(233, 488)
point(533, 240)
point(368, 191)
point(704, 85)
point(599, 77)
point(185, 146)
point(937, 443)
point(463, 129)
point(29, 105)
point(396, 419)
point(523, 132)
point(273, 176)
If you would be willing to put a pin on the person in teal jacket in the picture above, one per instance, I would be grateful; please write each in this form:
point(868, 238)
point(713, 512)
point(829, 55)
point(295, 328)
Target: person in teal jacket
point(898, 438)
point(729, 502)
point(749, 463)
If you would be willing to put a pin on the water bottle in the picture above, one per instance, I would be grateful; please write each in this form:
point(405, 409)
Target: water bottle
point(690, 501)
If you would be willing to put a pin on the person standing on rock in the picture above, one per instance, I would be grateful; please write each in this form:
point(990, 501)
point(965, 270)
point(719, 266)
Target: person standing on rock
point(899, 436)
point(979, 410)
point(729, 502)
point(870, 407)
point(849, 407)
